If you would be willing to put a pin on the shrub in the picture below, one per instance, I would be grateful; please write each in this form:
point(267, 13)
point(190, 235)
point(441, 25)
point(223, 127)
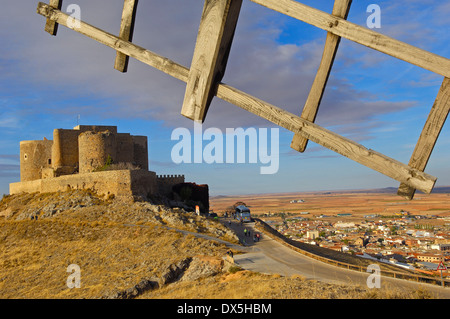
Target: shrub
point(234, 269)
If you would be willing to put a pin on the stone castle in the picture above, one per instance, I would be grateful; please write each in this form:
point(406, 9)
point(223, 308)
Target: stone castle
point(91, 157)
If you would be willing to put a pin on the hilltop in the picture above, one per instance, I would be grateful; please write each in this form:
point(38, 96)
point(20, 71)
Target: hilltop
point(133, 250)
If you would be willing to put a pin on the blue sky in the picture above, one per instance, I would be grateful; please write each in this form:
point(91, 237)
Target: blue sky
point(379, 101)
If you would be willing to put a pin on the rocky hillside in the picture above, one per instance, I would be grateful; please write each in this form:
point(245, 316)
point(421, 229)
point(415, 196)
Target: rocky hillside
point(119, 246)
point(131, 250)
point(86, 206)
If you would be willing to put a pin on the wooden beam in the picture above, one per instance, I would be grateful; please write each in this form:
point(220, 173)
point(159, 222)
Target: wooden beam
point(328, 139)
point(379, 162)
point(126, 32)
point(341, 9)
point(429, 135)
point(139, 53)
point(361, 35)
point(50, 25)
point(215, 36)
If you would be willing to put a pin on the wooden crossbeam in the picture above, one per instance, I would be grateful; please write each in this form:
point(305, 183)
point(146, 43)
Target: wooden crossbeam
point(341, 145)
point(215, 36)
point(50, 25)
point(429, 135)
point(361, 35)
point(341, 9)
point(139, 53)
point(328, 139)
point(126, 32)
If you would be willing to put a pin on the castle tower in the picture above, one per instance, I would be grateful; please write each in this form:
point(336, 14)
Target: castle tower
point(34, 156)
point(65, 151)
point(95, 148)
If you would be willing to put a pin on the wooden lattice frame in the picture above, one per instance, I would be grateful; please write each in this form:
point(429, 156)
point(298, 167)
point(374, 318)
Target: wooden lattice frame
point(214, 40)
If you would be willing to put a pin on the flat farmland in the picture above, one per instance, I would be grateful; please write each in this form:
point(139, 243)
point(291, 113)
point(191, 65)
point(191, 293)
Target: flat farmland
point(357, 203)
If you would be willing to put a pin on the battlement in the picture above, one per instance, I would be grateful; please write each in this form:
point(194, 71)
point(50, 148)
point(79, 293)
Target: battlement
point(170, 177)
point(166, 182)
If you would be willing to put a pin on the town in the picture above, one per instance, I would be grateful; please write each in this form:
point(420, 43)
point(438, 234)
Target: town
point(415, 242)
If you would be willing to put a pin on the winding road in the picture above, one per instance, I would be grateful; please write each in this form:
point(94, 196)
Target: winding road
point(268, 256)
point(271, 257)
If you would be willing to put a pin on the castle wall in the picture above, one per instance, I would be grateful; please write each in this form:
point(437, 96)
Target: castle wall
point(25, 187)
point(95, 128)
point(166, 182)
point(140, 145)
point(120, 183)
point(95, 149)
point(34, 156)
point(125, 148)
point(143, 182)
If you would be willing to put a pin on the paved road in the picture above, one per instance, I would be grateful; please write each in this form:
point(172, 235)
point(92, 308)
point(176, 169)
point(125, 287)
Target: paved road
point(271, 257)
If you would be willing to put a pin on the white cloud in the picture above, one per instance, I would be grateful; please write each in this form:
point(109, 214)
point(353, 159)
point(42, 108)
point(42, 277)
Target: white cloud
point(8, 120)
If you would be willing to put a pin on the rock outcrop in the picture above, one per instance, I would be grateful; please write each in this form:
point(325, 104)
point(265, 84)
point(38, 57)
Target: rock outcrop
point(91, 207)
point(188, 269)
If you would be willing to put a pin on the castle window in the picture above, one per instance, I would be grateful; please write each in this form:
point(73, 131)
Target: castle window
point(25, 157)
point(49, 161)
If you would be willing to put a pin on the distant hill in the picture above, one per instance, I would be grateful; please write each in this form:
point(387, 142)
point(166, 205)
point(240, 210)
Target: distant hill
point(442, 190)
point(220, 196)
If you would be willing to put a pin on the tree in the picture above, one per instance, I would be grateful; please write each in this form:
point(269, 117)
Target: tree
point(394, 230)
point(238, 204)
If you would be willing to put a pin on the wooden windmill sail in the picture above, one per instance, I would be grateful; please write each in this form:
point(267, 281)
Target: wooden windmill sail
point(215, 37)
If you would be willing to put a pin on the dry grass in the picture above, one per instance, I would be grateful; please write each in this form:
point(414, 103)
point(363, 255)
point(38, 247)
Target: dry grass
point(34, 256)
point(249, 285)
